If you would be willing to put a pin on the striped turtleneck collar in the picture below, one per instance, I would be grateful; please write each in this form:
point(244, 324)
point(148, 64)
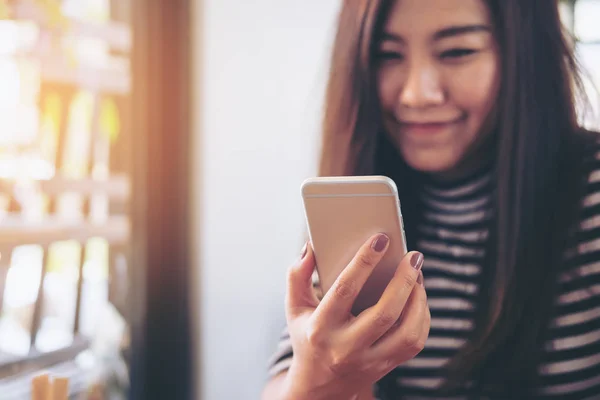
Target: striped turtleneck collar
point(475, 184)
point(458, 205)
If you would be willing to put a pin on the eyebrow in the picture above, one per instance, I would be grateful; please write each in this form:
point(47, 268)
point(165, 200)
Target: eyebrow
point(442, 34)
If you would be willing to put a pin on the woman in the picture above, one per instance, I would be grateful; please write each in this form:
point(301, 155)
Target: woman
point(469, 105)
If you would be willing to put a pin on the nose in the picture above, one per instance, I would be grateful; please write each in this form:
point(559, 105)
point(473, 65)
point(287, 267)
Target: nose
point(422, 87)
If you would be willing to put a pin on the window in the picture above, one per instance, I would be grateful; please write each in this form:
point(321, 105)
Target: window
point(64, 190)
point(581, 17)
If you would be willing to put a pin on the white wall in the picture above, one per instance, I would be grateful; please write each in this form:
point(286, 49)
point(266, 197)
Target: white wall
point(260, 69)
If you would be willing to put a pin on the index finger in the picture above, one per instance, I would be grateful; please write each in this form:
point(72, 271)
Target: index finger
point(337, 302)
point(375, 321)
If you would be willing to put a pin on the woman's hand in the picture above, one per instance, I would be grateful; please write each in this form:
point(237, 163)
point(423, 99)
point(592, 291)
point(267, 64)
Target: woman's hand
point(338, 355)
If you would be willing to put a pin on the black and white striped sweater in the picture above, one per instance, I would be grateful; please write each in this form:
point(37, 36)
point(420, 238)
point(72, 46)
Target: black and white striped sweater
point(452, 237)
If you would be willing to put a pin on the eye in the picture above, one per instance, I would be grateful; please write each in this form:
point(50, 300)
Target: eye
point(457, 53)
point(386, 55)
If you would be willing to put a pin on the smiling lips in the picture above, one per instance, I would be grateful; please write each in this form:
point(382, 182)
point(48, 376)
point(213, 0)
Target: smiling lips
point(427, 127)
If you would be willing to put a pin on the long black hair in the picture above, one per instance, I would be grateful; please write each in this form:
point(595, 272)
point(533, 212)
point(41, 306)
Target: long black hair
point(538, 173)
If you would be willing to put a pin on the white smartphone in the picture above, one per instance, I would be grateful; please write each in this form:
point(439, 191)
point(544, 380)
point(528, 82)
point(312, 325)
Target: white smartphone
point(341, 214)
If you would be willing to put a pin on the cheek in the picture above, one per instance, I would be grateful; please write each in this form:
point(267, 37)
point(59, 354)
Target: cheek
point(474, 88)
point(387, 87)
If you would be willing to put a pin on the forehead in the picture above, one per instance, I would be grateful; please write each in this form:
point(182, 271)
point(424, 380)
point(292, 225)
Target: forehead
point(407, 17)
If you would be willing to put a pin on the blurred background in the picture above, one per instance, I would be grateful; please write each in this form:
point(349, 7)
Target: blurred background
point(151, 154)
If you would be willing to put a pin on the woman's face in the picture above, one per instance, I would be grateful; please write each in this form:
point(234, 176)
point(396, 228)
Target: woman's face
point(438, 77)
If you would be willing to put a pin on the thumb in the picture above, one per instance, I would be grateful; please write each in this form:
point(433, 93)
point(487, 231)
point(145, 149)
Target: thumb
point(300, 293)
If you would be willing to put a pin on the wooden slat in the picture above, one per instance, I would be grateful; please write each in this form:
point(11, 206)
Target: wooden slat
point(40, 387)
point(60, 388)
point(116, 35)
point(37, 361)
point(111, 79)
point(4, 266)
point(80, 379)
point(119, 286)
point(39, 302)
point(116, 187)
point(102, 80)
point(77, 316)
point(15, 232)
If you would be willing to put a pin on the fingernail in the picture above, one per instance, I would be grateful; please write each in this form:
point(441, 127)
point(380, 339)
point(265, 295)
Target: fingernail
point(380, 243)
point(417, 261)
point(304, 251)
point(420, 278)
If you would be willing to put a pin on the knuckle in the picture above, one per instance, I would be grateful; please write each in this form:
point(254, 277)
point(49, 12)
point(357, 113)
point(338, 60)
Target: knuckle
point(420, 346)
point(315, 337)
point(390, 364)
point(413, 342)
point(383, 319)
point(408, 281)
point(365, 259)
point(339, 362)
point(345, 289)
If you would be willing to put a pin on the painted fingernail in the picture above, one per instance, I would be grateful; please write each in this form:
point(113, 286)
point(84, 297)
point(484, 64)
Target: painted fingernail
point(304, 251)
point(420, 278)
point(380, 243)
point(417, 261)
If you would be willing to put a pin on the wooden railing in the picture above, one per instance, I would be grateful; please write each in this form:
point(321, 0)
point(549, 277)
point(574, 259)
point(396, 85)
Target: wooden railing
point(114, 227)
point(17, 231)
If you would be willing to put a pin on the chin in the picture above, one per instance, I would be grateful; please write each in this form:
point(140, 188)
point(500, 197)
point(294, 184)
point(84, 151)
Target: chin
point(431, 162)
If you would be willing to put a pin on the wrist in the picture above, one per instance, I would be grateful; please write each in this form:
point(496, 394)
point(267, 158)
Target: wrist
point(295, 389)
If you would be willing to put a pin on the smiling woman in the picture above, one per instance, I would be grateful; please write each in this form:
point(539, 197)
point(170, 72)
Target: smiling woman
point(470, 106)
